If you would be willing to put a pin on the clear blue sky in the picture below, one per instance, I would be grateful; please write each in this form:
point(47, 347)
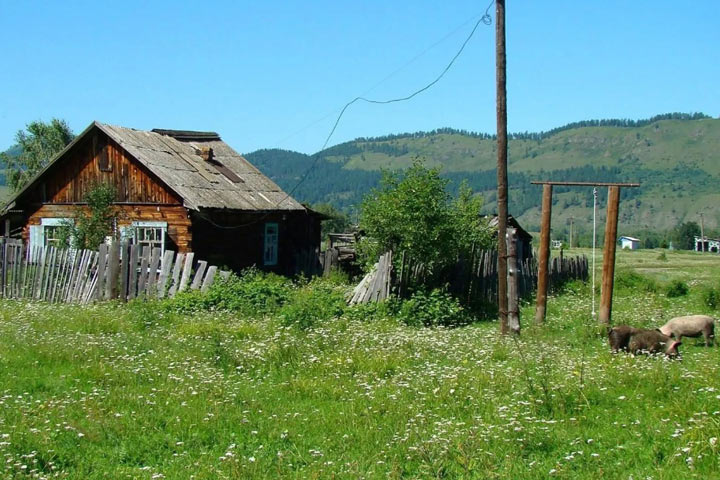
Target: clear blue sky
point(276, 73)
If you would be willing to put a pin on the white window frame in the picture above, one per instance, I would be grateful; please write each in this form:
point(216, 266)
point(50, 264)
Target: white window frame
point(136, 226)
point(270, 244)
point(47, 224)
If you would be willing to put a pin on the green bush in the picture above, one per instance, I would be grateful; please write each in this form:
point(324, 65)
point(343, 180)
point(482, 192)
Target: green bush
point(634, 281)
point(711, 297)
point(662, 257)
point(317, 301)
point(430, 309)
point(677, 288)
point(252, 293)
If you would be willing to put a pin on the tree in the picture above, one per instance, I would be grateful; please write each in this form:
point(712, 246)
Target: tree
point(413, 213)
point(38, 143)
point(684, 235)
point(338, 221)
point(89, 228)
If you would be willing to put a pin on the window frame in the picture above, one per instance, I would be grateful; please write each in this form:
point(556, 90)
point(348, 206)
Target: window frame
point(271, 241)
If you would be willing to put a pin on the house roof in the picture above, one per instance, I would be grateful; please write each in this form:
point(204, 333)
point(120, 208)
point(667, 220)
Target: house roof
point(511, 221)
point(632, 239)
point(226, 181)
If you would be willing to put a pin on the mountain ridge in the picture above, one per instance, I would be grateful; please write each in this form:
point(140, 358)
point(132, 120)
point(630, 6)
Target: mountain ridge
point(676, 158)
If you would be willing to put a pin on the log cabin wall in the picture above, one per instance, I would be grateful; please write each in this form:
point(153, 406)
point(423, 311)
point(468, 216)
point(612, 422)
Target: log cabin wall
point(179, 233)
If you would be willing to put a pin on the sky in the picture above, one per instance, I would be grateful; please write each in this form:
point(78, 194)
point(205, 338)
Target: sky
point(276, 74)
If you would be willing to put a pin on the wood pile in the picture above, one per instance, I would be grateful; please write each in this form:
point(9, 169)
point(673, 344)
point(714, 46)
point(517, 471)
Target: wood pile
point(376, 285)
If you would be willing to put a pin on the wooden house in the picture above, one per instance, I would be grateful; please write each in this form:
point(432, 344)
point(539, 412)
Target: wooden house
point(182, 190)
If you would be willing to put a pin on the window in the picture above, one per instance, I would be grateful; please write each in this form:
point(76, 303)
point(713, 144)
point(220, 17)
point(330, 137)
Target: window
point(50, 233)
point(270, 254)
point(54, 236)
point(151, 234)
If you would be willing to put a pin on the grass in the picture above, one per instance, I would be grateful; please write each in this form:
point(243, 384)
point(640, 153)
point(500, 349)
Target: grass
point(137, 391)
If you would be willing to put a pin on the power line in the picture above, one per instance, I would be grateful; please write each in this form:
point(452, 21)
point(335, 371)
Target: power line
point(485, 19)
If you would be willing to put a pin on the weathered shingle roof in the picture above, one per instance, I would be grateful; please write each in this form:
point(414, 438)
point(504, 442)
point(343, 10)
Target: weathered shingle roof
point(177, 162)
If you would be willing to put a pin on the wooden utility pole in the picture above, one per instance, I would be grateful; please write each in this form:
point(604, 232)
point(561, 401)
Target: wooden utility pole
point(512, 282)
point(502, 190)
point(608, 274)
point(702, 232)
point(544, 253)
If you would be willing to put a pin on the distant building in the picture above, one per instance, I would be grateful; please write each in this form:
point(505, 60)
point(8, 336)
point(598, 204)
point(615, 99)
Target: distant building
point(557, 244)
point(631, 243)
point(710, 244)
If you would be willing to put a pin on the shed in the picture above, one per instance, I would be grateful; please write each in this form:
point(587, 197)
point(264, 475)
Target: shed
point(178, 189)
point(706, 244)
point(631, 243)
point(524, 239)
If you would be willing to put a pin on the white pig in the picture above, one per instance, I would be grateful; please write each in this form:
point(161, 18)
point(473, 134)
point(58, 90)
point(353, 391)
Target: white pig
point(690, 326)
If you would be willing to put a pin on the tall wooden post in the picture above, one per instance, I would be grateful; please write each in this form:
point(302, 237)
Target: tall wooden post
point(512, 282)
point(502, 190)
point(608, 272)
point(544, 253)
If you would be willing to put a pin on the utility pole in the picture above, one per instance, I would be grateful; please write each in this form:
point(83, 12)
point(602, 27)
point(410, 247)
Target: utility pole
point(571, 231)
point(702, 232)
point(502, 190)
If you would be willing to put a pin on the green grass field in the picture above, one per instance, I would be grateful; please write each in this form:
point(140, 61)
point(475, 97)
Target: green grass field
point(137, 391)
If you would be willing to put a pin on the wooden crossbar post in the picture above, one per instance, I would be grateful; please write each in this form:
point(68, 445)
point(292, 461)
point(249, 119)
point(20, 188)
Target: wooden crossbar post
point(544, 254)
point(608, 271)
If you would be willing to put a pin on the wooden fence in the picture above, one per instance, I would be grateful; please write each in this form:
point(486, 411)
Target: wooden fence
point(116, 271)
point(469, 280)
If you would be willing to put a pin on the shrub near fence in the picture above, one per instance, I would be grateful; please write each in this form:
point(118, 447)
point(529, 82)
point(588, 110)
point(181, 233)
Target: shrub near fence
point(116, 271)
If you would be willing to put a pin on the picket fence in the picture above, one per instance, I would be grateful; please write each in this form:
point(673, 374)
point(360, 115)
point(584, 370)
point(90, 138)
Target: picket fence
point(116, 271)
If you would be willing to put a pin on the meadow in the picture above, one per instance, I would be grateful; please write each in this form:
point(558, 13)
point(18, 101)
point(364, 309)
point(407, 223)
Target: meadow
point(155, 390)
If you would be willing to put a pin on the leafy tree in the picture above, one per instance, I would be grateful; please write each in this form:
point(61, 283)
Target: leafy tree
point(684, 235)
point(38, 143)
point(337, 223)
point(412, 212)
point(90, 227)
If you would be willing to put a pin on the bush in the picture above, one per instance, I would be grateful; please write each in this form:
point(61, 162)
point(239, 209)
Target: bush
point(431, 309)
point(662, 257)
point(711, 297)
point(634, 281)
point(253, 293)
point(412, 212)
point(677, 288)
point(318, 301)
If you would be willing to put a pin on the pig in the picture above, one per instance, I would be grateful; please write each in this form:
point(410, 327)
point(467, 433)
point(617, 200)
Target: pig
point(690, 326)
point(620, 337)
point(639, 340)
point(653, 341)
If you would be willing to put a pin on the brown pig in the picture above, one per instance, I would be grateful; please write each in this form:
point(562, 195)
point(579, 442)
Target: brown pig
point(690, 326)
point(619, 337)
point(653, 341)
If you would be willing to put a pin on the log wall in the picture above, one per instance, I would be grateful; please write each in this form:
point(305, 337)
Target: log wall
point(179, 226)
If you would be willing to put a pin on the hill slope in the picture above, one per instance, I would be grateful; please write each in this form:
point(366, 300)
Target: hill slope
point(676, 159)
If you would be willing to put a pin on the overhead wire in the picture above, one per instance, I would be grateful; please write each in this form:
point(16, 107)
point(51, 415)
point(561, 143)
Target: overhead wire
point(485, 19)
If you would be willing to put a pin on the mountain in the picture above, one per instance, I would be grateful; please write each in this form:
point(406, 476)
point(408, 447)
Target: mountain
point(675, 157)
